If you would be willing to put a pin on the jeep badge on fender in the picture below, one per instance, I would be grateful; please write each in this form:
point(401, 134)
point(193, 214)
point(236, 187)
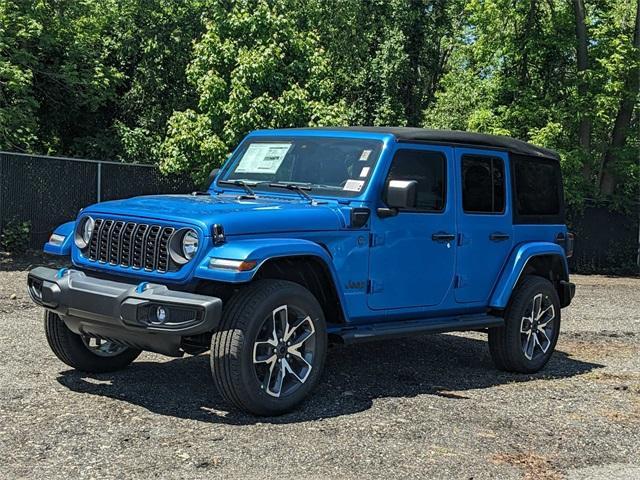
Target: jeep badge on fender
point(306, 235)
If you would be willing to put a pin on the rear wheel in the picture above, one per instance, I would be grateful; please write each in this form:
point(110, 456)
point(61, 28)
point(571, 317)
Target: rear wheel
point(89, 354)
point(532, 326)
point(270, 349)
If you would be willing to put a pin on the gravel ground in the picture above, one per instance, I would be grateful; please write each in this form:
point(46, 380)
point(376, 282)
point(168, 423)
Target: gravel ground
point(425, 407)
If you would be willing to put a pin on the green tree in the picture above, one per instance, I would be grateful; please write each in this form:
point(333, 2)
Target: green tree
point(180, 83)
point(386, 56)
point(560, 74)
point(620, 60)
point(18, 104)
point(155, 44)
point(253, 68)
point(93, 79)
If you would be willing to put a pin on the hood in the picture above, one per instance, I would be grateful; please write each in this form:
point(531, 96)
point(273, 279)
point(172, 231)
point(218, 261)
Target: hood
point(237, 216)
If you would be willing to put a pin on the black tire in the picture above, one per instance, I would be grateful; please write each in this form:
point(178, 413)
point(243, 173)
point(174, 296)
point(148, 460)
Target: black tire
point(72, 350)
point(509, 346)
point(245, 318)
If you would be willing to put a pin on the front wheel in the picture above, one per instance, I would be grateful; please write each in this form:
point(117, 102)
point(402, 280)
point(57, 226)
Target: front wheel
point(532, 325)
point(269, 351)
point(89, 354)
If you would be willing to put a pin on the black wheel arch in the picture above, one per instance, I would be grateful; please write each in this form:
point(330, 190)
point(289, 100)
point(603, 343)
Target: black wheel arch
point(310, 272)
point(554, 268)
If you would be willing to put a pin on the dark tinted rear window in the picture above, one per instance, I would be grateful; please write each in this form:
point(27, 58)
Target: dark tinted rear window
point(482, 184)
point(538, 188)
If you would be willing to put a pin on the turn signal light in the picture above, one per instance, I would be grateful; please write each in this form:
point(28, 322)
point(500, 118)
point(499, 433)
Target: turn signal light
point(227, 264)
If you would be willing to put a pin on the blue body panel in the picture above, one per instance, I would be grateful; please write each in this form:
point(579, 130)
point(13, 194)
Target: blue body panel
point(386, 270)
point(258, 250)
point(408, 271)
point(476, 279)
point(515, 265)
point(66, 230)
point(265, 214)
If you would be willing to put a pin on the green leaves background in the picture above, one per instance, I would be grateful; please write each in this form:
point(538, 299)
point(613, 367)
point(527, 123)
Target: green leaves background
point(178, 83)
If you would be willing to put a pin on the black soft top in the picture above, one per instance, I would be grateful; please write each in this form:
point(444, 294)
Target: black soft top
point(410, 134)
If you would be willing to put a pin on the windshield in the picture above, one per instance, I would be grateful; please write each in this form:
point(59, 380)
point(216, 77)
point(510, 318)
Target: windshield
point(322, 165)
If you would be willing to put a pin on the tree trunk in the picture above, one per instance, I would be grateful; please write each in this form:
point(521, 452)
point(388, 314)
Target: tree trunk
point(529, 25)
point(584, 131)
point(412, 86)
point(608, 180)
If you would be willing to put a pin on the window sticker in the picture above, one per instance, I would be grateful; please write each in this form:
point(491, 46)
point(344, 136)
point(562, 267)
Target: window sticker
point(263, 158)
point(365, 155)
point(353, 185)
point(364, 172)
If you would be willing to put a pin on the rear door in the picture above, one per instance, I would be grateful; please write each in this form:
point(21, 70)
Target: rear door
point(484, 221)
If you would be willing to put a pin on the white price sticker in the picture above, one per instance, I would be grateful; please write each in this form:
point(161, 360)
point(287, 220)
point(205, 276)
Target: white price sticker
point(365, 155)
point(263, 158)
point(353, 185)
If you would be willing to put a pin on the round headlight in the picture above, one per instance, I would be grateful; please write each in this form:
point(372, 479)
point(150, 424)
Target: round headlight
point(87, 229)
point(83, 232)
point(189, 244)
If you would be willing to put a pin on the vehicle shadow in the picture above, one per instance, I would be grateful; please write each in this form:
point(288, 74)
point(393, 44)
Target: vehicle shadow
point(442, 365)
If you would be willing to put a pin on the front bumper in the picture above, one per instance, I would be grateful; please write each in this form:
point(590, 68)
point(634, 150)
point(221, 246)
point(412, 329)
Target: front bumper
point(124, 312)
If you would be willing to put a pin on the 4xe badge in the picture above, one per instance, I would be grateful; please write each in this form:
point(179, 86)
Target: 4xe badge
point(356, 285)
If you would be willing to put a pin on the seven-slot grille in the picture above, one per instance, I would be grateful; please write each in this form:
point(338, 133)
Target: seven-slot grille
point(130, 244)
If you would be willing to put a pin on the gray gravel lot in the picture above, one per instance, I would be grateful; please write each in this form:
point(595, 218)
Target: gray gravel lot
point(430, 407)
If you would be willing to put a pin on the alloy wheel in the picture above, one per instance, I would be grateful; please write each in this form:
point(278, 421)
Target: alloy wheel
point(284, 350)
point(537, 327)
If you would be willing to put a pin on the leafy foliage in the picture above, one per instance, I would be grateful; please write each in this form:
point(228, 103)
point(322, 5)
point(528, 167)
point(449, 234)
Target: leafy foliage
point(93, 79)
point(253, 68)
point(15, 236)
point(179, 83)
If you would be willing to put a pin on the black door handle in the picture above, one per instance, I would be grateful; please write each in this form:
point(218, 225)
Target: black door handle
point(443, 237)
point(498, 237)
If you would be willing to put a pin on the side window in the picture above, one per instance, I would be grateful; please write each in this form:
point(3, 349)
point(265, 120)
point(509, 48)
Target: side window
point(538, 190)
point(428, 169)
point(482, 184)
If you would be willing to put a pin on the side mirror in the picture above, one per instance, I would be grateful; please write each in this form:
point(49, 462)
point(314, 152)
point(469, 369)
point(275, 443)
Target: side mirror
point(401, 193)
point(212, 177)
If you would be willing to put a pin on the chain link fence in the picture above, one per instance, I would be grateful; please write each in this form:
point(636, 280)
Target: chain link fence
point(47, 191)
point(607, 242)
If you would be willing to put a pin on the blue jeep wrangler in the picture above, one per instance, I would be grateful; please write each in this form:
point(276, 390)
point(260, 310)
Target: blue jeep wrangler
point(307, 236)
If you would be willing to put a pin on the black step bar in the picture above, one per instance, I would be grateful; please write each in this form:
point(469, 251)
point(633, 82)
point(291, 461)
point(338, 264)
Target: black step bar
point(379, 331)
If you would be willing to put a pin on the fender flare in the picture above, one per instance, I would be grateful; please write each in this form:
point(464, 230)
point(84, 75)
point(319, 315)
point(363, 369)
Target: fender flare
point(66, 230)
point(516, 264)
point(260, 251)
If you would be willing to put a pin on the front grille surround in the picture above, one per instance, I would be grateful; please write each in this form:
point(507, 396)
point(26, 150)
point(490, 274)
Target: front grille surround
point(128, 244)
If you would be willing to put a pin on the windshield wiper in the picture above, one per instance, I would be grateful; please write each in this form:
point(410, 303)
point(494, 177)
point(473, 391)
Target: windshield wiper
point(296, 188)
point(239, 183)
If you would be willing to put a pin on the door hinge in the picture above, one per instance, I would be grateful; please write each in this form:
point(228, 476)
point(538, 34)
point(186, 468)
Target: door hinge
point(375, 240)
point(374, 286)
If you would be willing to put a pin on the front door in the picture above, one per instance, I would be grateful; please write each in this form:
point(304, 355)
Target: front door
point(484, 222)
point(412, 258)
